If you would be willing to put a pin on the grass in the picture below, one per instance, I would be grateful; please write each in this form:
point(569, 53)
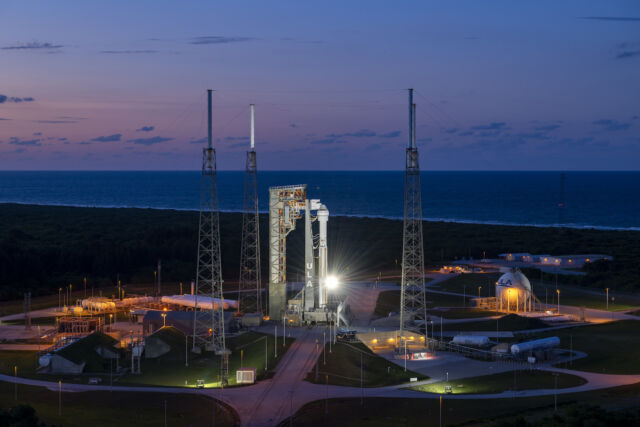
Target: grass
point(612, 348)
point(104, 408)
point(389, 302)
point(171, 370)
point(497, 383)
point(464, 313)
point(469, 283)
point(382, 412)
point(24, 360)
point(510, 322)
point(343, 368)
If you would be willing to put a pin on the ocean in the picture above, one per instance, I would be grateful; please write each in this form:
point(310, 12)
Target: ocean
point(605, 200)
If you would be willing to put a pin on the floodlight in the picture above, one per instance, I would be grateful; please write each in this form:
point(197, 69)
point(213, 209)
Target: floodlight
point(332, 282)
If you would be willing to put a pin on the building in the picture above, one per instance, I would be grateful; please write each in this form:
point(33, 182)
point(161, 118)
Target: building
point(513, 293)
point(95, 353)
point(564, 261)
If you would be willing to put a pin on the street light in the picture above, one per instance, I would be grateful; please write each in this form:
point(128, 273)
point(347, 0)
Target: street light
point(110, 322)
point(558, 291)
point(164, 317)
point(607, 298)
point(479, 287)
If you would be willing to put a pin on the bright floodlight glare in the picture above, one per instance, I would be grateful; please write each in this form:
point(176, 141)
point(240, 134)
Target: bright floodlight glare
point(332, 282)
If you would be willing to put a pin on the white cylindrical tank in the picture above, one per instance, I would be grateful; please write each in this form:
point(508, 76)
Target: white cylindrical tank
point(541, 344)
point(477, 340)
point(76, 310)
point(203, 302)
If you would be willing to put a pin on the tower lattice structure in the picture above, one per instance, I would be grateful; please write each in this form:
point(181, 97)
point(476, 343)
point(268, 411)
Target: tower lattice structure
point(208, 326)
point(250, 297)
point(412, 301)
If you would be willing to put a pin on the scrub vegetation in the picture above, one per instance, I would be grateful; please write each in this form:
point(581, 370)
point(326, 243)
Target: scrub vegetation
point(43, 248)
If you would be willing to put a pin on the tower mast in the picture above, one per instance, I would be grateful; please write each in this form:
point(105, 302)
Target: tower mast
point(412, 300)
point(208, 326)
point(249, 299)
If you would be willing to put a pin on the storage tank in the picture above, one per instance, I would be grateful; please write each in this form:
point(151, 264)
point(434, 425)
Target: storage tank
point(475, 340)
point(541, 344)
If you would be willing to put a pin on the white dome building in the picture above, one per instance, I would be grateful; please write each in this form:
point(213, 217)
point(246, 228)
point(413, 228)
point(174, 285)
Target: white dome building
point(513, 292)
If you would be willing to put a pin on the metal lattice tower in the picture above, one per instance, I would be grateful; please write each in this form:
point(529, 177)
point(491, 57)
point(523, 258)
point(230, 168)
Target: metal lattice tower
point(412, 300)
point(249, 299)
point(208, 327)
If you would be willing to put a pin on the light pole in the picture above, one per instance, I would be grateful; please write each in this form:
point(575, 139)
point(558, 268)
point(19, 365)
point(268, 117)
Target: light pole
point(84, 280)
point(275, 346)
point(59, 398)
point(284, 331)
point(110, 322)
point(324, 345)
point(558, 291)
point(60, 307)
point(186, 352)
point(479, 287)
point(607, 298)
point(405, 355)
point(613, 305)
point(15, 374)
point(164, 319)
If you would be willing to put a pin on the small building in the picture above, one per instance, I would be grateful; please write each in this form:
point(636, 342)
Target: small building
point(167, 342)
point(94, 353)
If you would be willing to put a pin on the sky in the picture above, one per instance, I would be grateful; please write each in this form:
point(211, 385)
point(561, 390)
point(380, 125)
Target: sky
point(499, 85)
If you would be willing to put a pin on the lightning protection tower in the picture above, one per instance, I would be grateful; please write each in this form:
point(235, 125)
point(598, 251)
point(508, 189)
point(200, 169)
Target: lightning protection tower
point(249, 299)
point(208, 326)
point(412, 301)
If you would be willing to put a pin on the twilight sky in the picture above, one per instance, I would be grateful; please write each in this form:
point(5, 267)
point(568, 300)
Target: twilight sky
point(545, 85)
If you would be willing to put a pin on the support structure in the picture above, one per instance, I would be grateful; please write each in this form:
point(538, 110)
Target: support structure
point(285, 207)
point(250, 295)
point(208, 327)
point(412, 301)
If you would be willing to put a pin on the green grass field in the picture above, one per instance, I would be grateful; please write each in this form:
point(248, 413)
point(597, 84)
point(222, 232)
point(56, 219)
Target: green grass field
point(463, 313)
point(497, 383)
point(343, 368)
point(389, 301)
point(510, 322)
point(171, 371)
point(612, 348)
point(381, 412)
point(105, 409)
point(468, 283)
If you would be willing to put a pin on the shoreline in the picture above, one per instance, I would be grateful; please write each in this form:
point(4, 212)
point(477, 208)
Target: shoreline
point(430, 219)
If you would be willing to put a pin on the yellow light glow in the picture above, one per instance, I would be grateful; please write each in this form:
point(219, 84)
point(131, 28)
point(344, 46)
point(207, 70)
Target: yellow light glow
point(375, 340)
point(390, 340)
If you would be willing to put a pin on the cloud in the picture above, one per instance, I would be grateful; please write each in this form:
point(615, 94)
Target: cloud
point(612, 18)
point(293, 125)
point(30, 143)
point(128, 52)
point(493, 126)
point(547, 128)
point(452, 130)
point(5, 98)
point(357, 134)
point(236, 138)
point(32, 46)
point(63, 139)
point(392, 134)
point(56, 121)
point(37, 133)
point(466, 133)
point(328, 141)
point(145, 129)
point(2, 118)
point(150, 141)
point(533, 135)
point(199, 141)
point(219, 40)
point(108, 138)
point(611, 125)
point(627, 54)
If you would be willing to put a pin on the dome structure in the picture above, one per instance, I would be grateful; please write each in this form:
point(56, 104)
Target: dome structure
point(514, 279)
point(513, 292)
